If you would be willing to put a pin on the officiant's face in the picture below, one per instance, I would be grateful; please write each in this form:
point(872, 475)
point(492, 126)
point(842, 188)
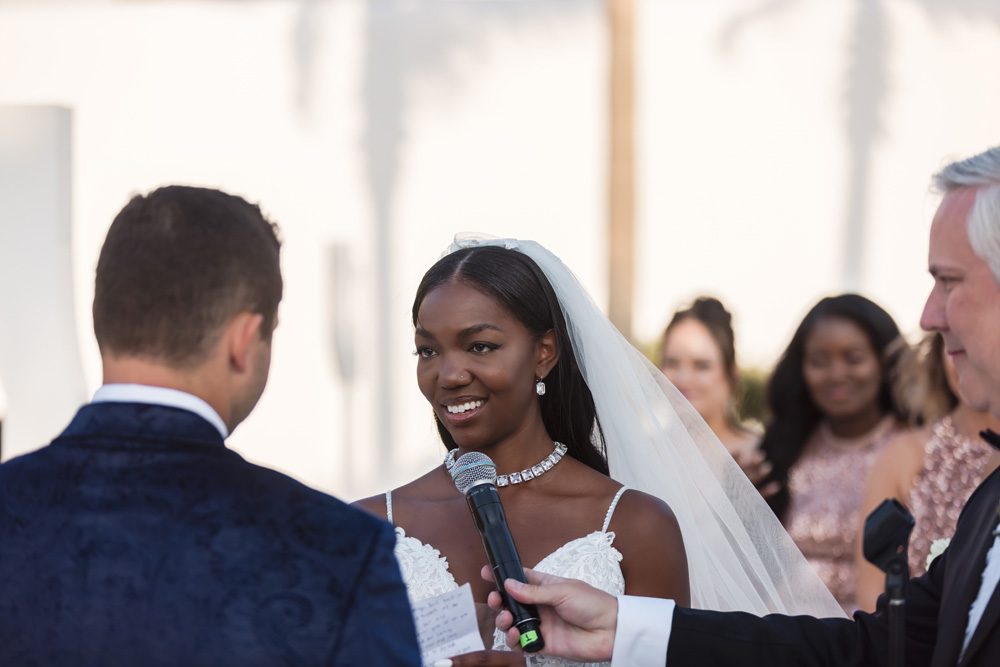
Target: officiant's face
point(964, 304)
point(476, 365)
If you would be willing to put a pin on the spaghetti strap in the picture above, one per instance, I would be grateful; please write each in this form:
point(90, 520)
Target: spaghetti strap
point(611, 510)
point(388, 506)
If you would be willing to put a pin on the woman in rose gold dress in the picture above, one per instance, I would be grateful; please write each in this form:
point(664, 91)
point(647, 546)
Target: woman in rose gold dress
point(833, 411)
point(931, 469)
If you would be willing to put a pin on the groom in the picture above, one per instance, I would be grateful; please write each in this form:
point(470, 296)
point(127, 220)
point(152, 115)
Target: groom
point(952, 612)
point(136, 537)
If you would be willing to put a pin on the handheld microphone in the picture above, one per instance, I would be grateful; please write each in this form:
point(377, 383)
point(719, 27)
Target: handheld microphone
point(475, 476)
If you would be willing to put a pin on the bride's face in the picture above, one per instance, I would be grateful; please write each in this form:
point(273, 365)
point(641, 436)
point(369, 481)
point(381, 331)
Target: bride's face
point(476, 366)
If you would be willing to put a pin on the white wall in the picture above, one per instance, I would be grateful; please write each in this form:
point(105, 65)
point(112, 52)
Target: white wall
point(756, 116)
point(374, 131)
point(380, 129)
point(36, 286)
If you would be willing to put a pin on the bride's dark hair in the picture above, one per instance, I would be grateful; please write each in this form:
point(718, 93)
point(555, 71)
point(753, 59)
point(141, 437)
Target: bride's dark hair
point(515, 282)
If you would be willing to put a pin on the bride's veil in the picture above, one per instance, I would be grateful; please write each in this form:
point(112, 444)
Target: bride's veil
point(739, 556)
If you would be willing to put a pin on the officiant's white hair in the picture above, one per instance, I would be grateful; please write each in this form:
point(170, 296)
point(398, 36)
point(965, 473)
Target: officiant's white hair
point(980, 171)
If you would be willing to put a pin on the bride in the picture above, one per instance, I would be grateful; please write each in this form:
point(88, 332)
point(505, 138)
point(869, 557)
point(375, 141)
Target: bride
point(606, 474)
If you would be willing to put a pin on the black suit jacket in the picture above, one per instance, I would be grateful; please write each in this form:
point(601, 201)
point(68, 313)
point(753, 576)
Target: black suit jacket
point(937, 612)
point(137, 538)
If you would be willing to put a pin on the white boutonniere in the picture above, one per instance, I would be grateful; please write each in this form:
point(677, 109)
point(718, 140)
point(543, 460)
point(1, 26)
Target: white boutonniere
point(937, 548)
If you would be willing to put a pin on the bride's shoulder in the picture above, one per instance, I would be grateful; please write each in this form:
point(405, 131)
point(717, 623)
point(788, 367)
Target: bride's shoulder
point(425, 487)
point(642, 509)
point(649, 539)
point(630, 509)
point(373, 505)
point(644, 522)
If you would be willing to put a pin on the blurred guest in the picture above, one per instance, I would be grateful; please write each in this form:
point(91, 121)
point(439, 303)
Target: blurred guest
point(933, 470)
point(137, 537)
point(833, 410)
point(698, 355)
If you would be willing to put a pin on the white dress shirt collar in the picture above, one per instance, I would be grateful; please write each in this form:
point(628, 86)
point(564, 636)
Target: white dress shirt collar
point(174, 398)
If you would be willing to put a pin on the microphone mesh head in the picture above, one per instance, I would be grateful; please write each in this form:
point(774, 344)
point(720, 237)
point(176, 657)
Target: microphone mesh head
point(471, 468)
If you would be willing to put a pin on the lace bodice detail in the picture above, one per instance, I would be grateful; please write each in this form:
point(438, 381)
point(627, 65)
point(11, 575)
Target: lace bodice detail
point(591, 558)
point(424, 569)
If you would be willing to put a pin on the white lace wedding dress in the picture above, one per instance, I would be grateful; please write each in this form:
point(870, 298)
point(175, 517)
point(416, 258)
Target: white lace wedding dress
point(590, 558)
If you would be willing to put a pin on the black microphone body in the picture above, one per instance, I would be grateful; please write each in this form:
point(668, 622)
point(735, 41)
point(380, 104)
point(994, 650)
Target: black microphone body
point(484, 503)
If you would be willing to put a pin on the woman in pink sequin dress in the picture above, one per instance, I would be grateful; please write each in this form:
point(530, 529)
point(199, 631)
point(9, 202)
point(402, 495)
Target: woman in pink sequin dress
point(833, 410)
point(932, 470)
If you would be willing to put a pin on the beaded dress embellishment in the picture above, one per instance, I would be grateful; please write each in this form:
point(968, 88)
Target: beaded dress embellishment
point(953, 467)
point(826, 486)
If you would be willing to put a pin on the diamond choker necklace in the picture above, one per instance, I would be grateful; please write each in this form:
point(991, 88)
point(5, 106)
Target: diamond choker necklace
point(526, 474)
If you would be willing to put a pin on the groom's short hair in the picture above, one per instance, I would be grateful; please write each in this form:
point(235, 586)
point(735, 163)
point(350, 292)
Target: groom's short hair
point(176, 266)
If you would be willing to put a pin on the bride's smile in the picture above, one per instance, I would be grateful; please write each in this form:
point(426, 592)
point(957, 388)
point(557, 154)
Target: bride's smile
point(477, 366)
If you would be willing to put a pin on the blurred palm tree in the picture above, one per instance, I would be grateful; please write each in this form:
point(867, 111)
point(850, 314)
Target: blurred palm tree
point(866, 85)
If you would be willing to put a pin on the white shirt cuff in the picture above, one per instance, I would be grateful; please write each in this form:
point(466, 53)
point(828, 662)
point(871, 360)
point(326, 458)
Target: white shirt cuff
point(643, 632)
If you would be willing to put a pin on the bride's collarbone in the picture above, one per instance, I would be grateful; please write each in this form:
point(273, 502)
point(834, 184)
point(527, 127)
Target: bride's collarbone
point(541, 519)
point(536, 534)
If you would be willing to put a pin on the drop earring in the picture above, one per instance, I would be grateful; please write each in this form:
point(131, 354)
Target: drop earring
point(540, 387)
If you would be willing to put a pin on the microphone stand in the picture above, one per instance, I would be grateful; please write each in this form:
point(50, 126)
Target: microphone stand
point(886, 537)
point(896, 575)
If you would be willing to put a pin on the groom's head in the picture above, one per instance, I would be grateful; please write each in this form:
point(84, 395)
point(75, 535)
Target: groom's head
point(188, 282)
point(964, 259)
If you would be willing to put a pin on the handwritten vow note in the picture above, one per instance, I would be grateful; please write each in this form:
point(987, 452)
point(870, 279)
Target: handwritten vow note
point(446, 625)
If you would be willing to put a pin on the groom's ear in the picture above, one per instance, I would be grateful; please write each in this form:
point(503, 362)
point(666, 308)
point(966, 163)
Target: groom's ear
point(547, 349)
point(242, 332)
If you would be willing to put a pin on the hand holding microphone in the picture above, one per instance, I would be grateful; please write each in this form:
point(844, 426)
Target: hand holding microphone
point(475, 476)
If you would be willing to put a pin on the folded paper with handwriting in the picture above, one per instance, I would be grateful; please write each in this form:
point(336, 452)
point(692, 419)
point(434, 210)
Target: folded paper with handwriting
point(447, 625)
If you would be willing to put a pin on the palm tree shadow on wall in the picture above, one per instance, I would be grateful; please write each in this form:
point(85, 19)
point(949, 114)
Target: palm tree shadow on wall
point(866, 85)
point(410, 45)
